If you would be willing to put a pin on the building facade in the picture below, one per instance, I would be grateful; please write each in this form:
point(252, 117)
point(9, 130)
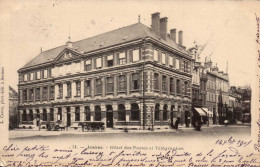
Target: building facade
point(217, 93)
point(136, 77)
point(199, 91)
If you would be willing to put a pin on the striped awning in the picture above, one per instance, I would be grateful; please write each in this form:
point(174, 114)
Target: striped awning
point(200, 112)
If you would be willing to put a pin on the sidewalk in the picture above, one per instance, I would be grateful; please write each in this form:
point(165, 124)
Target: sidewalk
point(20, 133)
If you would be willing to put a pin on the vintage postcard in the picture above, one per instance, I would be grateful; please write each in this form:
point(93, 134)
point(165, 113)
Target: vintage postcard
point(129, 83)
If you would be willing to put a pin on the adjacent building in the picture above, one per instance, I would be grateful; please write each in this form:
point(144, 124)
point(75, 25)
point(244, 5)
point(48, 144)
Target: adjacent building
point(217, 92)
point(136, 76)
point(13, 110)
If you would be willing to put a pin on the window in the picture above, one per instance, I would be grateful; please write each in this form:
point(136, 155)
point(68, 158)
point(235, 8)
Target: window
point(134, 112)
point(98, 87)
point(52, 92)
point(157, 112)
point(177, 64)
point(31, 95)
point(87, 88)
point(121, 112)
point(163, 58)
point(50, 72)
point(136, 55)
point(165, 112)
point(110, 61)
point(31, 76)
point(44, 93)
point(155, 55)
point(51, 114)
point(110, 85)
point(171, 85)
point(38, 75)
point(59, 113)
point(87, 65)
point(97, 113)
point(135, 81)
point(37, 94)
point(156, 81)
point(98, 63)
point(171, 61)
point(178, 86)
point(25, 95)
point(78, 88)
point(45, 73)
point(44, 115)
point(77, 114)
point(164, 83)
point(31, 115)
point(87, 113)
point(207, 96)
point(122, 59)
point(24, 77)
point(121, 83)
point(60, 95)
point(186, 88)
point(24, 116)
point(68, 89)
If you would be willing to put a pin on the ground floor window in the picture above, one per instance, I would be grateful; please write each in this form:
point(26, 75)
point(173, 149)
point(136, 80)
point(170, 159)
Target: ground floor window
point(121, 112)
point(165, 116)
point(59, 114)
point(157, 112)
point(135, 112)
point(31, 115)
point(77, 114)
point(87, 113)
point(97, 113)
point(24, 118)
point(44, 115)
point(51, 114)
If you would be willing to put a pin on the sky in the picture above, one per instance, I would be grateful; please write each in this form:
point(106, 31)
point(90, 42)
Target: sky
point(228, 28)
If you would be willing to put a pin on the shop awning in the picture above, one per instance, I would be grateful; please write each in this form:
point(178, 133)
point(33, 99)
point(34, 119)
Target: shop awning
point(200, 111)
point(210, 114)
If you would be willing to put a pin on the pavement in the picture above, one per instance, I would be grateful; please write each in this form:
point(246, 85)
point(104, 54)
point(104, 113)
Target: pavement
point(27, 133)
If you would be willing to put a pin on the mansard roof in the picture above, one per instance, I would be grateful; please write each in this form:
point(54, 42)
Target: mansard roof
point(111, 38)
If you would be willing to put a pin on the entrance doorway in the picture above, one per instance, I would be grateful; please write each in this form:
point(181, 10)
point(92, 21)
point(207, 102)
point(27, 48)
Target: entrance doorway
point(110, 119)
point(68, 117)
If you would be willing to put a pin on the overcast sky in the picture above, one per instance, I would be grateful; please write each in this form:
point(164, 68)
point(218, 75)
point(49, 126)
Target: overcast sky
point(228, 27)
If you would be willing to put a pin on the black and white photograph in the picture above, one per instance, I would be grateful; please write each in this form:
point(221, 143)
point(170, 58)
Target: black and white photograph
point(129, 83)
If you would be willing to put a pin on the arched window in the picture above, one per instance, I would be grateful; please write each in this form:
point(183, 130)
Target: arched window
point(77, 114)
point(24, 118)
point(59, 113)
point(97, 113)
point(109, 108)
point(165, 115)
point(51, 114)
point(135, 112)
point(44, 115)
point(121, 112)
point(31, 115)
point(87, 113)
point(157, 112)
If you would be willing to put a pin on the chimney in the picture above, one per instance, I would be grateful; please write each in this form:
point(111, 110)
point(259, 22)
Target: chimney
point(180, 35)
point(163, 27)
point(173, 34)
point(156, 23)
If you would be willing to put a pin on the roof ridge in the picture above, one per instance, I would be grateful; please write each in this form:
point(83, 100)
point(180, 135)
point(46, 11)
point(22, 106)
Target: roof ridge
point(105, 33)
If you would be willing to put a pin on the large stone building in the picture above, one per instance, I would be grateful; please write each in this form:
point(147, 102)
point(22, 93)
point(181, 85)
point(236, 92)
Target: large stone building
point(108, 78)
point(217, 92)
